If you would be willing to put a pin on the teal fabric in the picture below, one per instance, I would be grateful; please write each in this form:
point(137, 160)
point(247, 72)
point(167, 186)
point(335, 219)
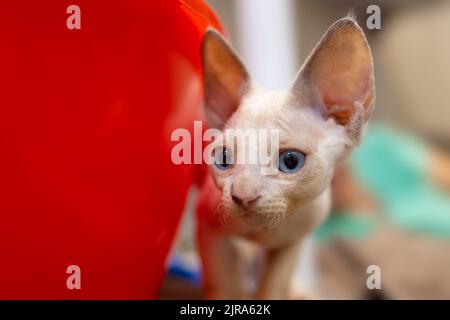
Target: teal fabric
point(351, 226)
point(392, 165)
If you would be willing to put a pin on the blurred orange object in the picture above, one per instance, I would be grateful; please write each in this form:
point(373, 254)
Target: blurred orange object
point(85, 123)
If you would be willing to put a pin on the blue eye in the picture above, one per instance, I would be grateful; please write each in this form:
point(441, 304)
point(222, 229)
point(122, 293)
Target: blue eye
point(291, 161)
point(223, 159)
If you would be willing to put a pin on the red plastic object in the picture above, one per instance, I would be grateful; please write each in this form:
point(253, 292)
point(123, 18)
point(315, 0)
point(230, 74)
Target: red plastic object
point(86, 116)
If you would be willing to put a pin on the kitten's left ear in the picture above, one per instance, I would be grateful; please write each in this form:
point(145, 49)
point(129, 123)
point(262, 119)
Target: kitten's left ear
point(338, 79)
point(225, 79)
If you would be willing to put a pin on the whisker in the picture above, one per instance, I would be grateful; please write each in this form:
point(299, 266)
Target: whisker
point(275, 219)
point(223, 214)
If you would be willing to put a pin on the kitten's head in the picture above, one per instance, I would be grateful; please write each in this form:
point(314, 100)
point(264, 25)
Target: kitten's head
point(319, 119)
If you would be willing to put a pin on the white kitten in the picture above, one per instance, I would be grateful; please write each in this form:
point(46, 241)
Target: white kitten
point(319, 119)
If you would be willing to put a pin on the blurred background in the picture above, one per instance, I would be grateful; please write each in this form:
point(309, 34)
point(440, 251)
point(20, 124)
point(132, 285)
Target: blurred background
point(392, 200)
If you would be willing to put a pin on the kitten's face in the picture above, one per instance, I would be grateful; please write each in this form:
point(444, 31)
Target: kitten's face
point(318, 120)
point(302, 169)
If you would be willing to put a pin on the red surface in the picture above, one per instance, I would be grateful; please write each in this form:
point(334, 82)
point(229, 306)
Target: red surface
point(86, 115)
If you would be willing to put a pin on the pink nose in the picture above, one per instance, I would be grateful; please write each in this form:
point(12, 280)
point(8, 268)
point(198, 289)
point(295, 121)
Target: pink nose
point(243, 200)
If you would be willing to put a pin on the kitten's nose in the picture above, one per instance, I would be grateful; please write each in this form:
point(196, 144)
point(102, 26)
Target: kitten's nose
point(243, 200)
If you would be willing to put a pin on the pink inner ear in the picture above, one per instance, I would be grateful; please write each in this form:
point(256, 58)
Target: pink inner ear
point(342, 90)
point(338, 99)
point(225, 79)
point(341, 70)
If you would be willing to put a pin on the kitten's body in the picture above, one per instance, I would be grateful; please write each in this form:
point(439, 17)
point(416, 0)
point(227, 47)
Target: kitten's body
point(223, 262)
point(320, 118)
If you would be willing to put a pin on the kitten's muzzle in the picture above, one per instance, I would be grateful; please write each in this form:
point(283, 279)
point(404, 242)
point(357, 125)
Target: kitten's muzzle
point(243, 200)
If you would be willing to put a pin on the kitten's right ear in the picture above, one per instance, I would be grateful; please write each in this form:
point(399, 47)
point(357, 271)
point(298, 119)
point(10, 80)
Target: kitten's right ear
point(338, 77)
point(225, 79)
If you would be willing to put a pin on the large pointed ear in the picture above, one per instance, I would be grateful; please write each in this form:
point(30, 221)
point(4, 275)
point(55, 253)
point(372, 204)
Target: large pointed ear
point(225, 79)
point(338, 77)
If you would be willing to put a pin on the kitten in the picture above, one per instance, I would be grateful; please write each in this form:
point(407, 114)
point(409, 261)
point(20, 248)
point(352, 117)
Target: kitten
point(320, 119)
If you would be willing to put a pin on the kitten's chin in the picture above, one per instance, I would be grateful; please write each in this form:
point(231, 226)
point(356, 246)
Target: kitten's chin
point(259, 217)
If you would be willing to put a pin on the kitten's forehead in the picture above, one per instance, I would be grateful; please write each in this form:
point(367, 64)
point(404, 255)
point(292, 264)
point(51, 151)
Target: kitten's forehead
point(299, 126)
point(258, 110)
